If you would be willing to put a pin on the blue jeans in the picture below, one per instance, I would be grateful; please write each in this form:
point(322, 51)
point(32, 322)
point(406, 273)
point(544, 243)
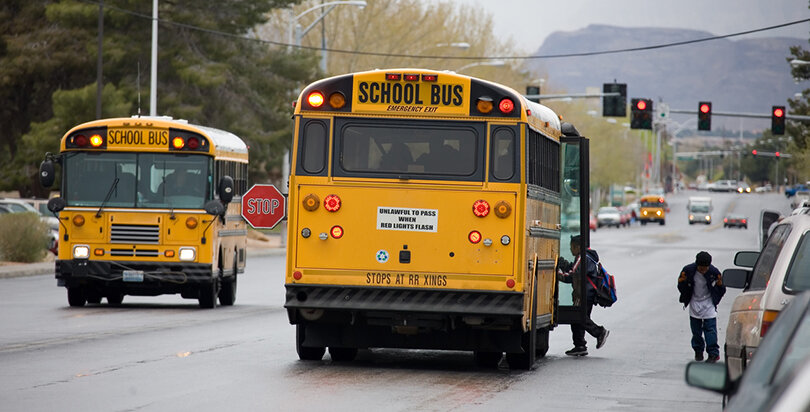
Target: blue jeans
point(707, 328)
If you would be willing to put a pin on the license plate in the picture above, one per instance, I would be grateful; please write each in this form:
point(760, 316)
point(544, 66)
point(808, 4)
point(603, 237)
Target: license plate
point(133, 276)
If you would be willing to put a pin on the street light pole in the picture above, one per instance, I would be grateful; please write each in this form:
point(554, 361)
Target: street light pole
point(296, 34)
point(493, 63)
point(153, 76)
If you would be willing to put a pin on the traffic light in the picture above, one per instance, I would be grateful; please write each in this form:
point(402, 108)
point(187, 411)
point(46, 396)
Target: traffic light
point(533, 90)
point(614, 105)
point(641, 114)
point(754, 152)
point(705, 116)
point(778, 120)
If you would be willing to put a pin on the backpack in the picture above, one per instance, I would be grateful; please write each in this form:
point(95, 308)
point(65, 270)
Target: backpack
point(606, 287)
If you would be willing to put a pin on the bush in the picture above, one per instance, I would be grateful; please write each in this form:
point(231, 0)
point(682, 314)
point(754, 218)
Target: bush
point(23, 237)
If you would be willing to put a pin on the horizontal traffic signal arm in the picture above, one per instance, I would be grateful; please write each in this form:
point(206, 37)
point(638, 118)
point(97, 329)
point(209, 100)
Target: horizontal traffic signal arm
point(788, 116)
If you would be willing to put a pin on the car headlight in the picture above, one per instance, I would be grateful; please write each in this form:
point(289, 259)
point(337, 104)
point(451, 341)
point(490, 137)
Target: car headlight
point(187, 254)
point(81, 252)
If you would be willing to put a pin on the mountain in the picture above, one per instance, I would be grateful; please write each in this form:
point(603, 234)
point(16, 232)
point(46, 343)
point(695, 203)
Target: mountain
point(746, 75)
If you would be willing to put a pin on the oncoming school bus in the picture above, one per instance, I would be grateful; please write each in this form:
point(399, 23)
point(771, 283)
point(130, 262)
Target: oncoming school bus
point(426, 210)
point(146, 209)
point(653, 208)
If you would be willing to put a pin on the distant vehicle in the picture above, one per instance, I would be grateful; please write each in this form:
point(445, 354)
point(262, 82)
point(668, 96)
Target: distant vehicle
point(763, 189)
point(20, 206)
point(743, 187)
point(800, 198)
point(653, 208)
point(791, 190)
point(608, 216)
point(724, 186)
point(592, 222)
point(769, 278)
point(700, 210)
point(777, 378)
point(735, 220)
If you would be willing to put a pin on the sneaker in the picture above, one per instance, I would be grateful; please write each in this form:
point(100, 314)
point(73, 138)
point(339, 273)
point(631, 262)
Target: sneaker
point(600, 341)
point(577, 351)
point(713, 358)
point(698, 356)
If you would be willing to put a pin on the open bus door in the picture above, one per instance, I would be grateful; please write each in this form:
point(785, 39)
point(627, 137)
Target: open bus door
point(574, 220)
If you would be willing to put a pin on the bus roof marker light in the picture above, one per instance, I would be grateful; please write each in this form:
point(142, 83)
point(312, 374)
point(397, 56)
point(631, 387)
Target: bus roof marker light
point(96, 140)
point(506, 105)
point(430, 77)
point(393, 76)
point(480, 208)
point(411, 77)
point(315, 99)
point(178, 142)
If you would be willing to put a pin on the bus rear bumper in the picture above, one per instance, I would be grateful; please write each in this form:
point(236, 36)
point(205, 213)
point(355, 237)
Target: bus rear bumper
point(134, 278)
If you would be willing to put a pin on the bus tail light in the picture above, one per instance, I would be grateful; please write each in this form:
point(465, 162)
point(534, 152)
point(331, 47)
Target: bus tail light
point(503, 209)
point(506, 105)
point(311, 202)
point(191, 222)
point(474, 236)
point(337, 100)
point(315, 99)
point(78, 220)
point(331, 203)
point(510, 283)
point(336, 232)
point(484, 104)
point(480, 208)
point(767, 320)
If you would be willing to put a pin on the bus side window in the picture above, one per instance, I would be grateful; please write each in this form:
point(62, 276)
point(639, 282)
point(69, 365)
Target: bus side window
point(503, 153)
point(313, 147)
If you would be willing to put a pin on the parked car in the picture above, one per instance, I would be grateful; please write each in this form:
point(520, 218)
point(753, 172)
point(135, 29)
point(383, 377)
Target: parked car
point(769, 279)
point(800, 198)
point(771, 377)
point(791, 190)
point(592, 222)
point(764, 189)
point(608, 216)
point(724, 186)
point(735, 220)
point(21, 206)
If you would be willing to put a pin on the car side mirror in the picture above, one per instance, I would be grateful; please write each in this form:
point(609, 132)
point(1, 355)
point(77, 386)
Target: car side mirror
point(47, 173)
point(212, 207)
point(746, 259)
point(710, 376)
point(735, 278)
point(56, 204)
point(225, 189)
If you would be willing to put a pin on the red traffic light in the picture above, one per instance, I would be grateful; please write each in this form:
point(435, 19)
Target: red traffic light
point(754, 152)
point(641, 105)
point(776, 154)
point(778, 112)
point(705, 108)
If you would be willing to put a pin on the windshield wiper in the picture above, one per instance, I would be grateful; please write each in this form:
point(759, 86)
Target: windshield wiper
point(107, 198)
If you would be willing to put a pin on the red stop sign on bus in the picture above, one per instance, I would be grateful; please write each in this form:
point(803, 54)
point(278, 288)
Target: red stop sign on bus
point(263, 206)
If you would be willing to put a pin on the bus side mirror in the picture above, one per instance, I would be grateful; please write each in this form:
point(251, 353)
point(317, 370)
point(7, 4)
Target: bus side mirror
point(225, 189)
point(46, 173)
point(214, 207)
point(56, 204)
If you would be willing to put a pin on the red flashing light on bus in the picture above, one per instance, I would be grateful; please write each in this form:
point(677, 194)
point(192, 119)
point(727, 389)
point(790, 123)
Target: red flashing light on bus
point(480, 208)
point(315, 99)
point(193, 143)
point(331, 203)
point(80, 140)
point(96, 140)
point(506, 105)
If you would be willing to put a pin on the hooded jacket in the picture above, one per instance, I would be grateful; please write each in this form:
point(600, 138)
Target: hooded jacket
point(571, 273)
point(686, 283)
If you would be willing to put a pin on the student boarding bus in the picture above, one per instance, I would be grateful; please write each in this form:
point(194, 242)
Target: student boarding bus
point(427, 209)
point(146, 209)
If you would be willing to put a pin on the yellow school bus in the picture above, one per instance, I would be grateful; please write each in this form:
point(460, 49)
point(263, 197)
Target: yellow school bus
point(426, 210)
point(146, 209)
point(653, 208)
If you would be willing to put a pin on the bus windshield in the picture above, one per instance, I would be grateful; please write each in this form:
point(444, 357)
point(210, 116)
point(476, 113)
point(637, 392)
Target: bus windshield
point(443, 149)
point(144, 180)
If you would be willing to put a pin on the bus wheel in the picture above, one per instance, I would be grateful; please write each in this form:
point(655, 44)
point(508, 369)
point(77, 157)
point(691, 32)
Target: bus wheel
point(487, 359)
point(643, 223)
point(542, 342)
point(662, 223)
point(208, 295)
point(76, 296)
point(305, 352)
point(94, 298)
point(227, 292)
point(115, 299)
point(342, 354)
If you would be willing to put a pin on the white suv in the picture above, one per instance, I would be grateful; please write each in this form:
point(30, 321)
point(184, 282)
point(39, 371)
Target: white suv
point(780, 271)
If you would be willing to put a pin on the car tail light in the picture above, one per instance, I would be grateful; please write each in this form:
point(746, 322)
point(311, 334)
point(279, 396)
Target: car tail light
point(480, 208)
point(331, 203)
point(744, 221)
point(767, 320)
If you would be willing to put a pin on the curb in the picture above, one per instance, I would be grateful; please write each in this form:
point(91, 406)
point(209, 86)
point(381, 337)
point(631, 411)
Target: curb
point(47, 268)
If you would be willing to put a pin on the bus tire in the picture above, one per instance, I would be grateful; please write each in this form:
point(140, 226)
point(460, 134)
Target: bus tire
point(76, 296)
point(489, 360)
point(542, 345)
point(227, 292)
point(342, 354)
point(208, 295)
point(662, 223)
point(643, 223)
point(94, 298)
point(305, 352)
point(115, 299)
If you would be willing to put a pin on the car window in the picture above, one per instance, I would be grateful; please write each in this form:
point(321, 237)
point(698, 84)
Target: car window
point(797, 350)
point(767, 259)
point(798, 275)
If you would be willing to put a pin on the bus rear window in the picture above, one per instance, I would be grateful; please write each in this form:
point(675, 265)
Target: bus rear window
point(424, 150)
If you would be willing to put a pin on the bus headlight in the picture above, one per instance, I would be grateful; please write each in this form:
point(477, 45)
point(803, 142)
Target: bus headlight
point(81, 252)
point(187, 254)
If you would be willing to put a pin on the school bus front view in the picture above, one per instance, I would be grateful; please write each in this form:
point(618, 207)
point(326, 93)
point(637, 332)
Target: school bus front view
point(138, 211)
point(424, 212)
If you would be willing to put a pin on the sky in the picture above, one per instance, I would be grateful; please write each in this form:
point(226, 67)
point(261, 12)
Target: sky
point(529, 22)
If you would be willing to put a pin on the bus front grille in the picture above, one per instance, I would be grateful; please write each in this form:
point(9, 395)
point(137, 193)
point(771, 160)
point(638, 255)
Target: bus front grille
point(135, 234)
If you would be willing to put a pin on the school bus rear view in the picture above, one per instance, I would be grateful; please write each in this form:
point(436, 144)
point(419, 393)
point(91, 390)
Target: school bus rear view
point(424, 212)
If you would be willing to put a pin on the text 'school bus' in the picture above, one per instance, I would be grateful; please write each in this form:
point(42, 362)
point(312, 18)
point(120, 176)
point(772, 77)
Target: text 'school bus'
point(653, 208)
point(146, 209)
point(426, 210)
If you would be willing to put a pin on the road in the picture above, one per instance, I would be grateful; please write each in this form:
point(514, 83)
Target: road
point(164, 353)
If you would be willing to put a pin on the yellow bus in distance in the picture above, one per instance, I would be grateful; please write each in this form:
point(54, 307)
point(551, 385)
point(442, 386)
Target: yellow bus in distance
point(425, 211)
point(653, 208)
point(146, 209)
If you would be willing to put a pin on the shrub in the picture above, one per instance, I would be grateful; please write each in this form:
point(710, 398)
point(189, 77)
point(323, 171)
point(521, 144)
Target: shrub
point(23, 237)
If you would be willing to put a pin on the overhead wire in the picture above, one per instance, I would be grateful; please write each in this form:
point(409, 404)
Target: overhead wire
point(419, 56)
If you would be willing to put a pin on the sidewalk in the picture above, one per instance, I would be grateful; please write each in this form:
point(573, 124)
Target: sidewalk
point(271, 246)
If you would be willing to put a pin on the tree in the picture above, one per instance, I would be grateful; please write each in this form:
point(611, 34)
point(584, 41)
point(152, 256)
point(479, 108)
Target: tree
point(800, 131)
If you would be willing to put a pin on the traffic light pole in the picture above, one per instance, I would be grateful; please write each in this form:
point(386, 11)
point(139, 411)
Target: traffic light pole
point(750, 115)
